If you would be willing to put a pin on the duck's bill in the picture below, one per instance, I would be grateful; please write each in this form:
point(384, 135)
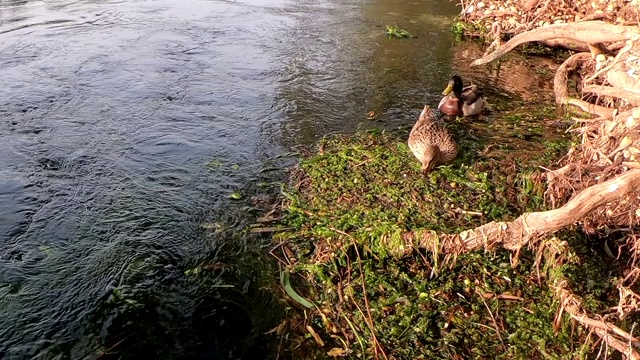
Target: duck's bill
point(448, 90)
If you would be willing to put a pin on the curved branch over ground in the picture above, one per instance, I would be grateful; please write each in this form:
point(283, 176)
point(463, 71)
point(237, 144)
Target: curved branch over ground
point(560, 86)
point(562, 75)
point(580, 46)
point(516, 234)
point(589, 32)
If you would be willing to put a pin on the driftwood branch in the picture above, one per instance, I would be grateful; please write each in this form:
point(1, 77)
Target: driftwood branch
point(609, 146)
point(617, 344)
point(589, 32)
point(516, 234)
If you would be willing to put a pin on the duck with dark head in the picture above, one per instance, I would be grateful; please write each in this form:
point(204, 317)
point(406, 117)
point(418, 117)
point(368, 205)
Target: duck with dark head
point(460, 100)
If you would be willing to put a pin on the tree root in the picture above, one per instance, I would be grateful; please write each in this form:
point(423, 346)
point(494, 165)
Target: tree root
point(518, 233)
point(589, 32)
point(608, 332)
point(610, 146)
point(560, 87)
point(629, 95)
point(615, 61)
point(580, 46)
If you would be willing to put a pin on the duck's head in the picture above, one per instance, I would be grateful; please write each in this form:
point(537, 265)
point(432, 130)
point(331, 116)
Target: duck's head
point(455, 85)
point(430, 159)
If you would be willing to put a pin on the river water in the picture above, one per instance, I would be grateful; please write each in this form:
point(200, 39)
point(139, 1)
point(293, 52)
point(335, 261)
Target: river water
point(125, 125)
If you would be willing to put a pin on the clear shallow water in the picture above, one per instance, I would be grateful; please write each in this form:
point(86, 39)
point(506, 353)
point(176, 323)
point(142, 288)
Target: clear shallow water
point(113, 112)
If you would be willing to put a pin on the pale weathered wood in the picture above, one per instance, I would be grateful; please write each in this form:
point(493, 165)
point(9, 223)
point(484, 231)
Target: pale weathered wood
point(626, 94)
point(589, 32)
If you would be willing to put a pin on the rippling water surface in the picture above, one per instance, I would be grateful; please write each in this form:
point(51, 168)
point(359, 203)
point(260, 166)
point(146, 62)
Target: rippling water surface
point(112, 112)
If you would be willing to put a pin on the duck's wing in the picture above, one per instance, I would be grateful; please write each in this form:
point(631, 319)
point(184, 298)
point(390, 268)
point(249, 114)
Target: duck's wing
point(471, 94)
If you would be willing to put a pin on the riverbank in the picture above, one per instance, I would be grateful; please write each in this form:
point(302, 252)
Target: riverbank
point(386, 261)
point(351, 195)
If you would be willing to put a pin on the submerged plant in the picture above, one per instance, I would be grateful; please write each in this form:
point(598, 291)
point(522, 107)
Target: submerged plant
point(397, 32)
point(458, 29)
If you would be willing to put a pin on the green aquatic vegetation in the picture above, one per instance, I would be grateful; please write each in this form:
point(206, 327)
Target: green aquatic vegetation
point(396, 32)
point(351, 192)
point(286, 284)
point(212, 298)
point(458, 29)
point(236, 195)
point(214, 164)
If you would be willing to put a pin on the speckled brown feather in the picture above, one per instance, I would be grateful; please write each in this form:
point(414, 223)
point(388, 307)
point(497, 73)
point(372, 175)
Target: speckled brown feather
point(430, 142)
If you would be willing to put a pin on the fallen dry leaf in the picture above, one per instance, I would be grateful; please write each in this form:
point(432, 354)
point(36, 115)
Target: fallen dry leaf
point(335, 352)
point(315, 336)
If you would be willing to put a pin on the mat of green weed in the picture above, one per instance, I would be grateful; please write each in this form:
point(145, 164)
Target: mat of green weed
point(352, 190)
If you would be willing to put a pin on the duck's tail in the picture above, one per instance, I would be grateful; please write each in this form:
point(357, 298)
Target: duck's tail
point(425, 112)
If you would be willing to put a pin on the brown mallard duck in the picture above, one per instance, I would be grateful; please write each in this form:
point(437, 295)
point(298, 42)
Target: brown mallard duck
point(460, 100)
point(430, 142)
